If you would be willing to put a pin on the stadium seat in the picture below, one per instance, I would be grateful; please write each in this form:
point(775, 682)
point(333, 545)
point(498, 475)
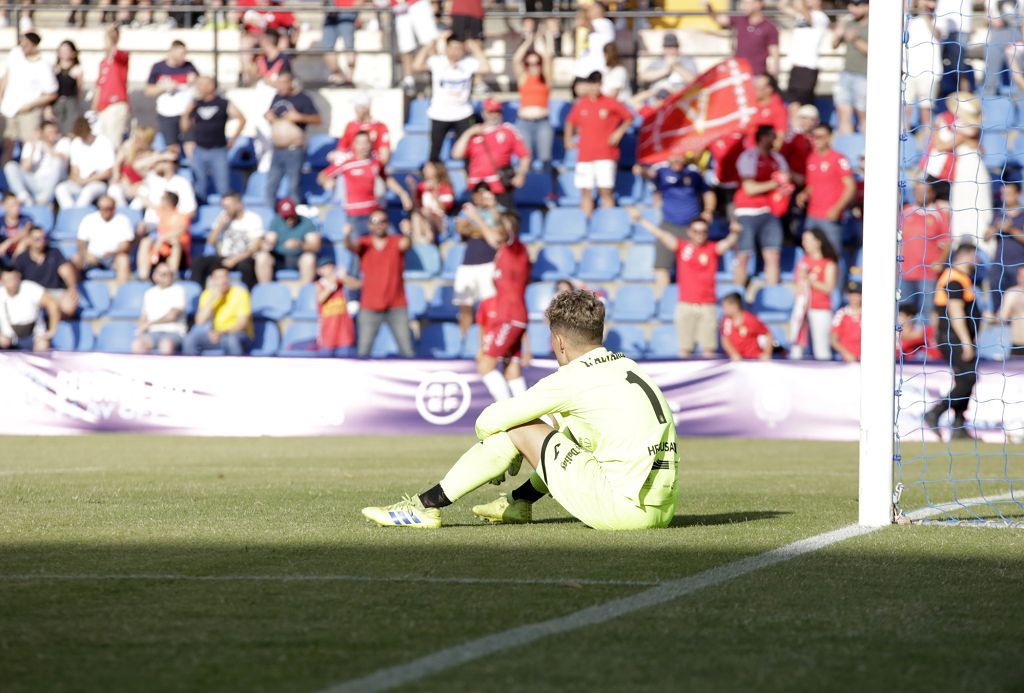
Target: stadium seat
point(567, 192)
point(510, 111)
point(95, 299)
point(629, 189)
point(629, 339)
point(667, 303)
point(243, 155)
point(642, 235)
point(609, 226)
point(851, 146)
point(417, 120)
point(558, 111)
point(333, 226)
point(774, 303)
point(633, 303)
point(452, 259)
point(540, 340)
point(664, 343)
point(565, 225)
point(206, 215)
point(116, 337)
point(554, 263)
point(423, 261)
point(192, 292)
point(998, 113)
point(723, 289)
point(318, 146)
point(73, 335)
point(271, 301)
point(639, 264)
point(535, 191)
point(531, 229)
point(538, 296)
point(471, 343)
point(342, 257)
point(627, 148)
point(299, 340)
point(67, 248)
point(994, 343)
point(312, 192)
point(600, 263)
point(410, 153)
point(994, 150)
point(460, 186)
point(41, 216)
point(68, 221)
point(440, 340)
point(441, 306)
point(266, 338)
point(304, 307)
point(127, 303)
point(417, 300)
point(384, 344)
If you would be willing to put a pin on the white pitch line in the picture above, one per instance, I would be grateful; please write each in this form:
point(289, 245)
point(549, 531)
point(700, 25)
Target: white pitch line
point(439, 580)
point(73, 470)
point(448, 658)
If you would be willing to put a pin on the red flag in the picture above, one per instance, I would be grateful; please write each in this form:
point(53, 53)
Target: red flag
point(717, 104)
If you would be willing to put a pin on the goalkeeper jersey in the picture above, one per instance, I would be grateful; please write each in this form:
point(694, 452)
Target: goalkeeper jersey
point(609, 407)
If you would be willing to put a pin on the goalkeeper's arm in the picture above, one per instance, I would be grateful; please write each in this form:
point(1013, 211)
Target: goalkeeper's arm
point(547, 396)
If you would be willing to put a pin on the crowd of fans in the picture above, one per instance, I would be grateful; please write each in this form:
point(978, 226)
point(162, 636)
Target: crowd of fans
point(770, 211)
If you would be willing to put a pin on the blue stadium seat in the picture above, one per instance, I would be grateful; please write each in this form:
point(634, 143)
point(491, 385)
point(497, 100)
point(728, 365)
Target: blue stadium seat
point(440, 340)
point(312, 192)
point(910, 154)
point(271, 301)
point(192, 292)
point(994, 150)
point(417, 300)
point(95, 299)
point(774, 303)
point(304, 307)
point(68, 221)
point(41, 216)
point(318, 146)
point(994, 343)
point(642, 235)
point(565, 225)
point(127, 303)
point(633, 303)
point(266, 338)
point(667, 303)
point(255, 188)
point(535, 191)
point(441, 306)
point(629, 339)
point(609, 226)
point(423, 261)
point(540, 340)
point(99, 273)
point(471, 343)
point(627, 148)
point(333, 226)
point(532, 227)
point(116, 337)
point(510, 111)
point(67, 248)
point(600, 263)
point(723, 289)
point(554, 263)
point(565, 159)
point(342, 257)
point(206, 215)
point(460, 186)
point(998, 113)
point(664, 343)
point(629, 189)
point(410, 153)
point(299, 340)
point(558, 111)
point(73, 335)
point(780, 335)
point(452, 259)
point(568, 194)
point(851, 146)
point(384, 344)
point(639, 264)
point(243, 154)
point(417, 120)
point(538, 296)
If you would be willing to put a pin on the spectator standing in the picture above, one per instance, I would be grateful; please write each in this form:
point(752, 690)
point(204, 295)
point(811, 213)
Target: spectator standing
point(550, 26)
point(361, 174)
point(291, 112)
point(380, 138)
point(671, 70)
point(829, 187)
point(451, 76)
point(21, 306)
point(797, 146)
point(415, 27)
point(615, 80)
point(1012, 311)
point(206, 119)
point(433, 201)
point(70, 86)
point(846, 325)
point(170, 83)
point(810, 27)
point(534, 77)
point(162, 321)
point(1008, 228)
point(28, 87)
point(170, 242)
point(293, 241)
point(958, 123)
point(259, 29)
point(743, 335)
point(467, 20)
point(924, 63)
point(601, 123)
point(816, 275)
point(925, 233)
point(771, 110)
point(382, 261)
point(91, 163)
point(599, 32)
point(953, 20)
point(851, 89)
point(110, 97)
point(757, 37)
point(1003, 18)
point(270, 64)
point(237, 237)
point(336, 332)
point(46, 266)
point(43, 164)
point(970, 190)
point(340, 23)
point(763, 173)
point(479, 224)
point(104, 240)
point(15, 226)
point(223, 320)
point(489, 149)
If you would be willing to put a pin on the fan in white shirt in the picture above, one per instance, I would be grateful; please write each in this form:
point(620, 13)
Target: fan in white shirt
point(104, 240)
point(28, 86)
point(91, 160)
point(162, 322)
point(601, 33)
point(21, 306)
point(43, 164)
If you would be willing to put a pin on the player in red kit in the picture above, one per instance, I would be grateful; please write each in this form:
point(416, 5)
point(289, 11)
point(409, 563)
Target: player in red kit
point(504, 316)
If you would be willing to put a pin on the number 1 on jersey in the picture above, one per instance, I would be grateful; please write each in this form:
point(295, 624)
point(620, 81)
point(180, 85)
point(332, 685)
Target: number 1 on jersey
point(635, 379)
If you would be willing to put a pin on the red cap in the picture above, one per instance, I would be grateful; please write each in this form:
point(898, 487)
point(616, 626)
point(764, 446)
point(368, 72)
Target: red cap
point(492, 106)
point(286, 208)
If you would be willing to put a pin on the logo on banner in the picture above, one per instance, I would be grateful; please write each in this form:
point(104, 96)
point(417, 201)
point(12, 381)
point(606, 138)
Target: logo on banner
point(443, 398)
point(773, 399)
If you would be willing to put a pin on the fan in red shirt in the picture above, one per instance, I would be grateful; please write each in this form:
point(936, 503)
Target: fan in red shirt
point(846, 326)
point(829, 187)
point(797, 146)
point(433, 201)
point(601, 122)
point(917, 342)
point(743, 335)
point(505, 318)
point(110, 99)
point(488, 149)
point(926, 239)
point(336, 334)
point(380, 138)
point(763, 196)
point(771, 110)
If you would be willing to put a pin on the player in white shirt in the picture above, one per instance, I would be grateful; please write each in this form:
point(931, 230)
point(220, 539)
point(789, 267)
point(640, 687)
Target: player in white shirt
point(91, 162)
point(104, 240)
point(28, 86)
point(21, 306)
point(162, 322)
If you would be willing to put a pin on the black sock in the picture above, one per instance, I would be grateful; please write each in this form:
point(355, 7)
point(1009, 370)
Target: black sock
point(434, 498)
point(527, 493)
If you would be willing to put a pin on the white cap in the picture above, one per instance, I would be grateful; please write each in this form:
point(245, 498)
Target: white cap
point(362, 99)
point(808, 111)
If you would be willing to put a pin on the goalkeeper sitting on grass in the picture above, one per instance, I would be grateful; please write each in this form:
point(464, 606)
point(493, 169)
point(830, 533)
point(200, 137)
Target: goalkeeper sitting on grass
point(613, 463)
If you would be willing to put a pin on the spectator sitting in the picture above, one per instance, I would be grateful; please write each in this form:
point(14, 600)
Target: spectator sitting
point(206, 118)
point(816, 276)
point(382, 261)
point(43, 164)
point(917, 341)
point(1008, 227)
point(1012, 311)
point(134, 160)
point(223, 320)
point(336, 332)
point(15, 226)
point(414, 27)
point(162, 179)
point(697, 258)
point(104, 240)
point(829, 187)
point(170, 242)
point(291, 112)
point(811, 25)
point(452, 76)
point(91, 162)
point(763, 173)
point(534, 77)
point(170, 82)
point(615, 77)
point(340, 22)
point(797, 145)
point(380, 138)
point(743, 335)
point(846, 326)
point(21, 305)
point(478, 224)
point(757, 38)
point(488, 149)
point(70, 87)
point(162, 322)
point(926, 241)
point(433, 201)
point(237, 236)
point(670, 71)
point(598, 31)
point(293, 241)
point(28, 87)
point(110, 97)
point(601, 123)
point(852, 87)
point(46, 266)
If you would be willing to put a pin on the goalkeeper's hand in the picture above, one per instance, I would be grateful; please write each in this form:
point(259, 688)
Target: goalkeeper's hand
point(511, 471)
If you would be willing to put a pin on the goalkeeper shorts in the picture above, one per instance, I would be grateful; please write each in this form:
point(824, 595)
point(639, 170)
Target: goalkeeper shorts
point(580, 484)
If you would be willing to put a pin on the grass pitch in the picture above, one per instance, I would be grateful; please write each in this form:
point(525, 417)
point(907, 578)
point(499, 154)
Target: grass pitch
point(298, 593)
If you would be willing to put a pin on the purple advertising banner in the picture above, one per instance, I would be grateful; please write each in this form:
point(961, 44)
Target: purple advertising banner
point(68, 394)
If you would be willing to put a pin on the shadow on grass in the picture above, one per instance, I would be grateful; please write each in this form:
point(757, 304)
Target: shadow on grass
point(694, 520)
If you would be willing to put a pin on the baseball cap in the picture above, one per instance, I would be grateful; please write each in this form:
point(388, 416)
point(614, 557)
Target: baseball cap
point(361, 98)
point(808, 111)
point(32, 37)
point(670, 41)
point(324, 260)
point(492, 106)
point(286, 208)
point(594, 77)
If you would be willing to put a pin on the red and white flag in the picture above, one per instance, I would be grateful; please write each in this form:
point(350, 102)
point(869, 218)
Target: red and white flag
point(718, 103)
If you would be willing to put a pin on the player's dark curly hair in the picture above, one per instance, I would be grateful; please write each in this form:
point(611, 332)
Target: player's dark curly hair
point(578, 315)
